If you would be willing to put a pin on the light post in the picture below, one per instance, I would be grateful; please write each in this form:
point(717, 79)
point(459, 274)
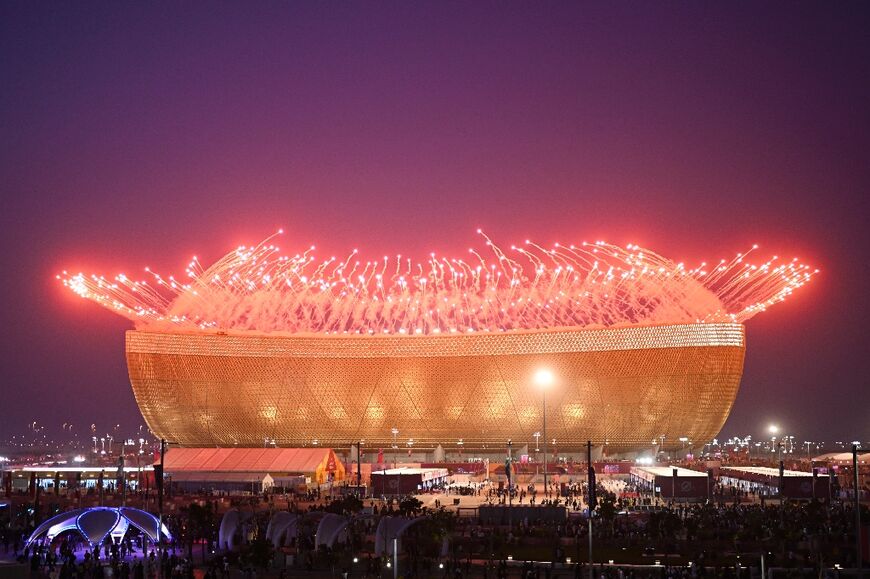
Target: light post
point(593, 501)
point(358, 466)
point(858, 553)
point(773, 429)
point(544, 379)
point(158, 479)
point(395, 432)
point(508, 468)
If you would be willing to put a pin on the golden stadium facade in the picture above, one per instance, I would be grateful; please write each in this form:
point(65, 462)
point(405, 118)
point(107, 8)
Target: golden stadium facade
point(623, 387)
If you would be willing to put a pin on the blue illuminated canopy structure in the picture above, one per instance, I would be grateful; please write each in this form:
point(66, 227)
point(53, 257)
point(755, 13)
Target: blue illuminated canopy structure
point(94, 524)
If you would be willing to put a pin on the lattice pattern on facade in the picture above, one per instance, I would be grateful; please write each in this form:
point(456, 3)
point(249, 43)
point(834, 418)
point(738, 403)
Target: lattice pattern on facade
point(621, 386)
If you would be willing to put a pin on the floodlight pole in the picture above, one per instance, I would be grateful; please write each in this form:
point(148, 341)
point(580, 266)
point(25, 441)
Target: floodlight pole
point(858, 550)
point(781, 486)
point(395, 432)
point(544, 405)
point(160, 504)
point(358, 466)
point(591, 484)
point(510, 465)
point(395, 558)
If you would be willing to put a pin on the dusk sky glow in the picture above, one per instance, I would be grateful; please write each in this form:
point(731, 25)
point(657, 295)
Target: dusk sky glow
point(140, 134)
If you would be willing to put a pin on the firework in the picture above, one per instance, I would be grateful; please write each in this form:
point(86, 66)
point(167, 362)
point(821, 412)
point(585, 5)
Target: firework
point(528, 287)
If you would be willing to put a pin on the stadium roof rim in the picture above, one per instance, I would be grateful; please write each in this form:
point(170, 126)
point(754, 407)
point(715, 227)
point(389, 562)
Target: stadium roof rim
point(554, 341)
point(414, 336)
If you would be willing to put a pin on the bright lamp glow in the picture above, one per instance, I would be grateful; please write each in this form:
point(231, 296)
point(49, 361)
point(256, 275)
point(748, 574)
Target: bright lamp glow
point(543, 378)
point(773, 428)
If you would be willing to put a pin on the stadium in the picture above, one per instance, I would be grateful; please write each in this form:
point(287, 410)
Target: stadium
point(626, 387)
point(294, 352)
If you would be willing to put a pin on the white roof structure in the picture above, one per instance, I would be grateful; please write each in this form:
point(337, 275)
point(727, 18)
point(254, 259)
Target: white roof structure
point(649, 473)
point(764, 471)
point(426, 473)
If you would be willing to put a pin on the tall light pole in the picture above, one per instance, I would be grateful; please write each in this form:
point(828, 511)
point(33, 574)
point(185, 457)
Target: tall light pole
point(773, 429)
point(358, 467)
point(509, 463)
point(158, 479)
point(395, 432)
point(858, 550)
point(593, 501)
point(544, 379)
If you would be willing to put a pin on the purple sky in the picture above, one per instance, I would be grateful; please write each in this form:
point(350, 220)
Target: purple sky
point(136, 134)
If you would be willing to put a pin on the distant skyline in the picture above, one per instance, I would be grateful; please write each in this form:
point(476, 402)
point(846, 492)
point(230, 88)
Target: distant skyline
point(139, 135)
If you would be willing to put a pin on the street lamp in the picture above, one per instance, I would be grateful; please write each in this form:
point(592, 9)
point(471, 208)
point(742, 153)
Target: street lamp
point(543, 380)
point(773, 429)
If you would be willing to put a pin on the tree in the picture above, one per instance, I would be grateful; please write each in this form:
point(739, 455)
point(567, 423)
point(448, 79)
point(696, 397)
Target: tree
point(260, 553)
point(199, 526)
point(410, 505)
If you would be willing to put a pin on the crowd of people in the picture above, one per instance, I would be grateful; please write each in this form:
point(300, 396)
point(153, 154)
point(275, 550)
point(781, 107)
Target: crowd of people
point(809, 535)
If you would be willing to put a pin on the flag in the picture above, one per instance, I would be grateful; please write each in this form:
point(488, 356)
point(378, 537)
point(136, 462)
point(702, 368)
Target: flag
point(158, 478)
point(381, 456)
point(593, 498)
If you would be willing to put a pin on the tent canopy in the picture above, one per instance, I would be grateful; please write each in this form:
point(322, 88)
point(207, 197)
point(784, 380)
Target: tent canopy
point(245, 460)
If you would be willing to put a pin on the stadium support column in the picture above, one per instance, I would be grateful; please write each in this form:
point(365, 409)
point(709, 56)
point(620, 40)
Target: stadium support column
point(858, 550)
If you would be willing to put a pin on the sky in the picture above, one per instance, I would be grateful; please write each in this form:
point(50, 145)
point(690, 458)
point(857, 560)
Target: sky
point(138, 134)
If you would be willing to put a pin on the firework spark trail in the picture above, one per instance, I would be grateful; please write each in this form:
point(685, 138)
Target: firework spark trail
point(577, 286)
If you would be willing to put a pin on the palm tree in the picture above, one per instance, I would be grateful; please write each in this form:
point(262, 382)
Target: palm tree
point(200, 525)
